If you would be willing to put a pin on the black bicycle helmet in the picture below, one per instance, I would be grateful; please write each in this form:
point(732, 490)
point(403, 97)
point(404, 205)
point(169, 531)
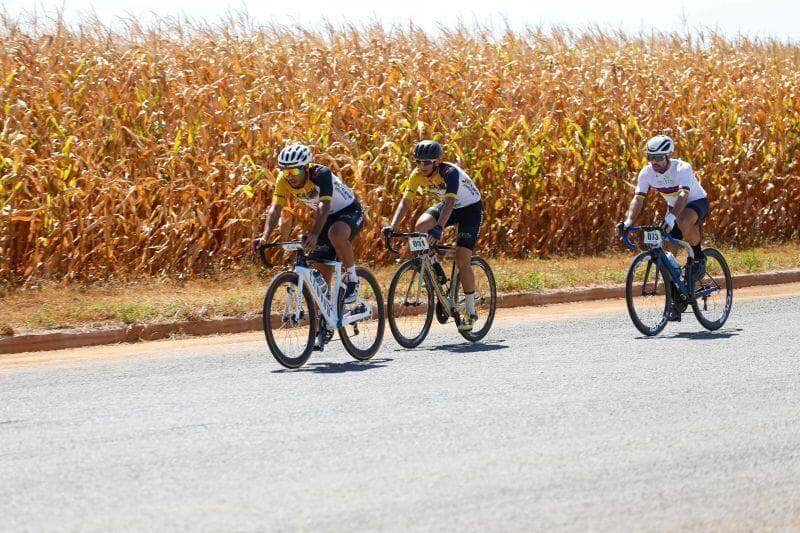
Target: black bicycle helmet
point(428, 150)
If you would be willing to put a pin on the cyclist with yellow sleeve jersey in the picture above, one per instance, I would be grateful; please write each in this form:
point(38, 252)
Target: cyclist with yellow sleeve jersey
point(461, 205)
point(339, 216)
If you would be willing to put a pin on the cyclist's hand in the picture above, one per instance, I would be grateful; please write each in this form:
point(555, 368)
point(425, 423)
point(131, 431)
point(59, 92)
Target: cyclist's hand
point(435, 233)
point(387, 231)
point(309, 243)
point(669, 222)
point(258, 242)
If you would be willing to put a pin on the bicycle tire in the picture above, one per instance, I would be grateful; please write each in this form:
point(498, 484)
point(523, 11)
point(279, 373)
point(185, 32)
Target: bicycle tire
point(630, 295)
point(277, 353)
point(410, 342)
point(352, 349)
point(712, 325)
point(475, 336)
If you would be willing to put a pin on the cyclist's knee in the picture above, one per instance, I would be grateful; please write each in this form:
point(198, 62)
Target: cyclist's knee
point(424, 223)
point(688, 220)
point(463, 255)
point(339, 233)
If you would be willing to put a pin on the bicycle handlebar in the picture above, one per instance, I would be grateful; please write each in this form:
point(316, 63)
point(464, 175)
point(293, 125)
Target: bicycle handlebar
point(262, 247)
point(399, 234)
point(666, 236)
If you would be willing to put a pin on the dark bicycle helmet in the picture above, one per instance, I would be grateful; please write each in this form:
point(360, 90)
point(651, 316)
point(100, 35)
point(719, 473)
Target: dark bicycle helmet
point(428, 150)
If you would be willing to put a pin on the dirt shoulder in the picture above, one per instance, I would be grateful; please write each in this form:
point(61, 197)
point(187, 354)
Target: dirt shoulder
point(239, 294)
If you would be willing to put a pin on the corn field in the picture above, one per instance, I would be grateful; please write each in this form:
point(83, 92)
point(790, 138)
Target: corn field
point(151, 150)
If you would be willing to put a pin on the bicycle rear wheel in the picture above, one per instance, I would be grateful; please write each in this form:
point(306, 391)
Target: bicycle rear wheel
point(288, 327)
point(363, 338)
point(713, 292)
point(485, 299)
point(410, 304)
point(646, 295)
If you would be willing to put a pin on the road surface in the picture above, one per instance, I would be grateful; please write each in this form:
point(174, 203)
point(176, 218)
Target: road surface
point(564, 418)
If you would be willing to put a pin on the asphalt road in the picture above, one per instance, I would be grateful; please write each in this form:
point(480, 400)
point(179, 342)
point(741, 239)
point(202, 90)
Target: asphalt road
point(567, 422)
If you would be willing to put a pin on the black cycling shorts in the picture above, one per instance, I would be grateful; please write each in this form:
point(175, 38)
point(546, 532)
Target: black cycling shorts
point(469, 220)
point(353, 216)
point(701, 207)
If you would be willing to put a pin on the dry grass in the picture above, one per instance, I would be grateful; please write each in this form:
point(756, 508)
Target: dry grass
point(150, 151)
point(49, 306)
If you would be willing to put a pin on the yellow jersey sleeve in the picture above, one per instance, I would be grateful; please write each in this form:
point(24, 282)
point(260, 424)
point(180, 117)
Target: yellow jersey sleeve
point(411, 186)
point(281, 192)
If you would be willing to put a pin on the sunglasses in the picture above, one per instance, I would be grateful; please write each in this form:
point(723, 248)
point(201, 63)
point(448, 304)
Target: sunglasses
point(657, 158)
point(292, 171)
point(425, 162)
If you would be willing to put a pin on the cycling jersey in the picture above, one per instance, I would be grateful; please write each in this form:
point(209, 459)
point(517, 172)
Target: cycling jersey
point(449, 181)
point(678, 177)
point(321, 185)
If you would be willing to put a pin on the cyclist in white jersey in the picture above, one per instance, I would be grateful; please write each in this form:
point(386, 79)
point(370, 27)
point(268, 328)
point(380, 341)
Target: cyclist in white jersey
point(686, 199)
point(461, 205)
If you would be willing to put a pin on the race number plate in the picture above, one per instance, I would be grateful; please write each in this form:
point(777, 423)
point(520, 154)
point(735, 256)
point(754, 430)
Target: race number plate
point(652, 237)
point(291, 247)
point(418, 243)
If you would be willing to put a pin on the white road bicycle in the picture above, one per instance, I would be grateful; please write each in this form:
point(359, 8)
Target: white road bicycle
point(299, 302)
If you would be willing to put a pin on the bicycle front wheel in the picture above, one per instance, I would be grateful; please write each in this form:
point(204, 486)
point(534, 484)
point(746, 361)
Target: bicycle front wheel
point(363, 338)
point(289, 321)
point(410, 304)
point(485, 299)
point(713, 292)
point(647, 295)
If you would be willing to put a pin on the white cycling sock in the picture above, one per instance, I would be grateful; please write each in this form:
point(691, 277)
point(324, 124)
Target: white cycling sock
point(350, 274)
point(470, 296)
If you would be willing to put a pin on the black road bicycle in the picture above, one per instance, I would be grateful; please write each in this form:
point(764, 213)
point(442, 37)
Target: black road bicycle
point(658, 288)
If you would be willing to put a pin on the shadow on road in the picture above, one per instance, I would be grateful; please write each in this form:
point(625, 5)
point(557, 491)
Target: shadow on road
point(337, 368)
point(699, 335)
point(464, 347)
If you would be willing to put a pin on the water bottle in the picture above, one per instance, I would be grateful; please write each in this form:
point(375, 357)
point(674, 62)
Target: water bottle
point(673, 265)
point(319, 281)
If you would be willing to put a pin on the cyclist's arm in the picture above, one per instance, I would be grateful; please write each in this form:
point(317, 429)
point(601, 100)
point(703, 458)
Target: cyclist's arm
point(452, 182)
point(322, 215)
point(637, 203)
point(635, 208)
point(680, 203)
point(273, 217)
point(400, 212)
point(447, 210)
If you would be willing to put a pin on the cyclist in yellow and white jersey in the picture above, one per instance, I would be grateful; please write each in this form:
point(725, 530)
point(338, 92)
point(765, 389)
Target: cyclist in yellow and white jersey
point(339, 216)
point(461, 204)
point(687, 201)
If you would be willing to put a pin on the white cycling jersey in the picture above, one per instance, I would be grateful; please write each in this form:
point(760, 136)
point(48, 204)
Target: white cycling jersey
point(679, 176)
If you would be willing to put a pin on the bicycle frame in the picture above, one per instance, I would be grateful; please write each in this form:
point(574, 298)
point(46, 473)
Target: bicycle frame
point(325, 303)
point(660, 257)
point(448, 301)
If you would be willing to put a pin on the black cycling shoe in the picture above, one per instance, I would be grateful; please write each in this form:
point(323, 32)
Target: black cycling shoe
point(699, 267)
point(324, 335)
point(674, 315)
point(351, 292)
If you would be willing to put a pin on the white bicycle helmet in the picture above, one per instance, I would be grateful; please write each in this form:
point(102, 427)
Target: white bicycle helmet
point(295, 155)
point(660, 145)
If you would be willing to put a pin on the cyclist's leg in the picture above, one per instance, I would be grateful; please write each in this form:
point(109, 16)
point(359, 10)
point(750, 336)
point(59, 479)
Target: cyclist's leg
point(348, 223)
point(688, 224)
point(428, 219)
point(469, 221)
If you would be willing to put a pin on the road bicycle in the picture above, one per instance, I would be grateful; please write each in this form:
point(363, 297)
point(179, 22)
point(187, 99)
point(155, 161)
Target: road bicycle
point(421, 280)
point(657, 287)
point(299, 305)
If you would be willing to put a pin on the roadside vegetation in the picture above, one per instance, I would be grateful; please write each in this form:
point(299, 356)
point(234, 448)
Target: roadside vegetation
point(148, 152)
